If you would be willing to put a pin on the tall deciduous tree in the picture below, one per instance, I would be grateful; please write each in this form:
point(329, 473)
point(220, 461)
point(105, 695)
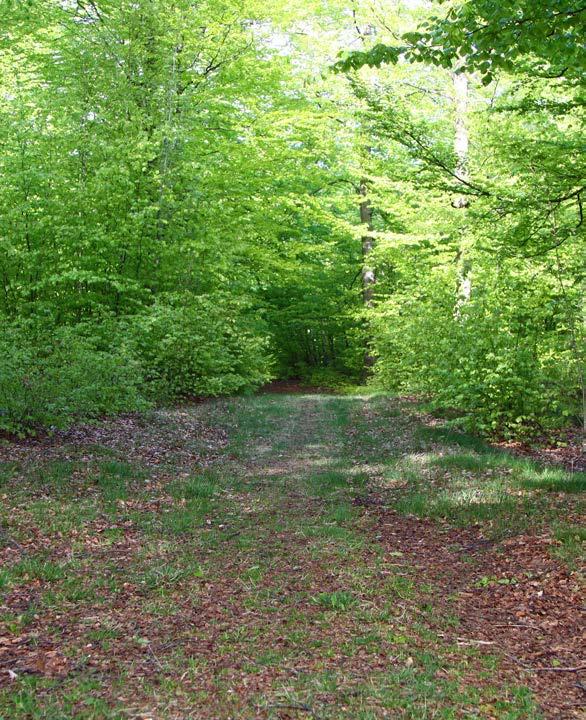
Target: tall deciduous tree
point(187, 206)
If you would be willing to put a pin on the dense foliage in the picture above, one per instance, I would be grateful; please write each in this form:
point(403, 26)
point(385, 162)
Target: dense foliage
point(192, 202)
point(508, 355)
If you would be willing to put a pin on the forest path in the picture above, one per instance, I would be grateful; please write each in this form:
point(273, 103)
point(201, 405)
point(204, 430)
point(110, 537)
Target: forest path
point(283, 556)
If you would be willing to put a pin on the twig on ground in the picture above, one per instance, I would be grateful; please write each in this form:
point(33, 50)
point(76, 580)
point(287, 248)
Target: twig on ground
point(155, 658)
point(233, 535)
point(517, 625)
point(471, 641)
point(531, 668)
point(286, 706)
point(9, 540)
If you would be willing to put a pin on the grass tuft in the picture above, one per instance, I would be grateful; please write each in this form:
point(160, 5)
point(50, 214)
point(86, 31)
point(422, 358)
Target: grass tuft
point(338, 601)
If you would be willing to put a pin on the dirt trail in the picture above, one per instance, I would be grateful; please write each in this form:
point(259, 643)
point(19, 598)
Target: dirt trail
point(278, 557)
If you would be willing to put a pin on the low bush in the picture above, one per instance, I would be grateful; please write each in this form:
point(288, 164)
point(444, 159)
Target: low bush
point(506, 364)
point(199, 346)
point(52, 377)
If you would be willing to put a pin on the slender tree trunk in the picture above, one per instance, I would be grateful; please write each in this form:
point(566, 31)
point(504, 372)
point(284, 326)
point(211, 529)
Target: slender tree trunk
point(368, 243)
point(461, 148)
point(461, 141)
point(368, 275)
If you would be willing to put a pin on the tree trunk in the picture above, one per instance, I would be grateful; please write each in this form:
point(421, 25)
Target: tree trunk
point(368, 275)
point(461, 148)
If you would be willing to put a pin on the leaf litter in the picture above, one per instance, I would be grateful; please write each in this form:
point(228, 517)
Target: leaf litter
point(255, 613)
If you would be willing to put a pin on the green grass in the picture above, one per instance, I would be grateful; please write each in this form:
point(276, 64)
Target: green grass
point(78, 702)
point(35, 568)
point(325, 483)
point(5, 578)
point(460, 479)
point(8, 470)
point(185, 520)
point(167, 576)
point(340, 600)
point(195, 488)
point(462, 461)
point(572, 548)
point(553, 480)
point(342, 513)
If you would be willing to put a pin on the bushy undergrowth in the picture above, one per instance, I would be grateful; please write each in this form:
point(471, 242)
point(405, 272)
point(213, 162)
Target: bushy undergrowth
point(53, 376)
point(505, 364)
point(200, 347)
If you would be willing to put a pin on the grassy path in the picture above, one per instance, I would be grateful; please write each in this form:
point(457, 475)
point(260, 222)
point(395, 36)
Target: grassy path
point(286, 557)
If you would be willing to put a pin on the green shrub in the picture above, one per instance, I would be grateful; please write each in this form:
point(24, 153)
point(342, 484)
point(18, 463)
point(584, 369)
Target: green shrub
point(200, 346)
point(506, 365)
point(53, 377)
point(329, 379)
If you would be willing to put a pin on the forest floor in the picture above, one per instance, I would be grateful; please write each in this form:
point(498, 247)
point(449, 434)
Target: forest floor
point(287, 556)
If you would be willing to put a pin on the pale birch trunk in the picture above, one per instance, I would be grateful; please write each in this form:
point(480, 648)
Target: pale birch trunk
point(461, 148)
point(368, 275)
